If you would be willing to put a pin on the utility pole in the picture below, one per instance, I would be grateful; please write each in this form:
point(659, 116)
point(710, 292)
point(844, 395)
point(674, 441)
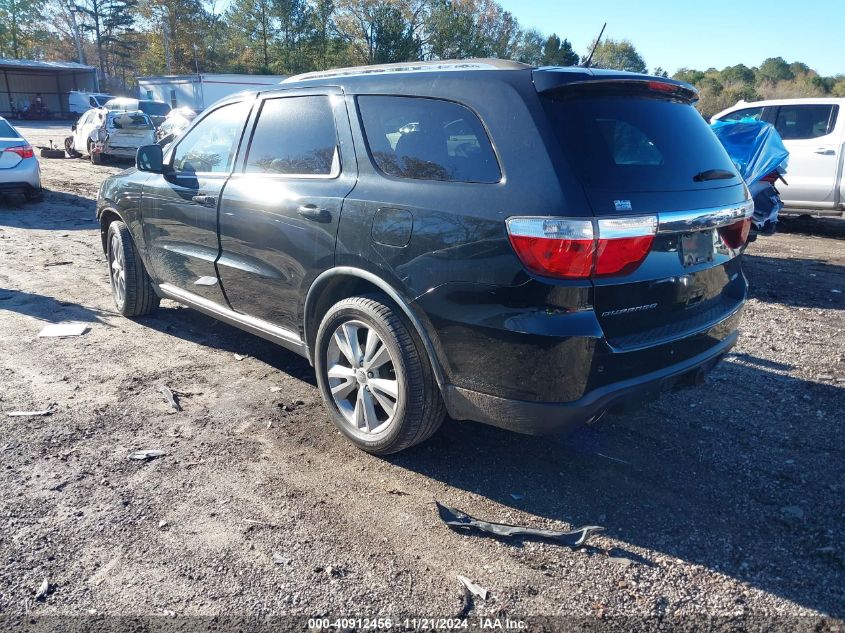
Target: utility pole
point(74, 30)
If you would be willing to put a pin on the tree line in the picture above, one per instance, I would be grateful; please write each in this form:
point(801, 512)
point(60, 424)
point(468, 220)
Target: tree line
point(129, 38)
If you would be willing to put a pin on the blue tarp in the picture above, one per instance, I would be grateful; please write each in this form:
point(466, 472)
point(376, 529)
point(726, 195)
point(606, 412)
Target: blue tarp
point(757, 150)
point(754, 146)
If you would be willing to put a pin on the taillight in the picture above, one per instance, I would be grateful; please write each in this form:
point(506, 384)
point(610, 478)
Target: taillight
point(735, 235)
point(24, 151)
point(623, 244)
point(577, 249)
point(554, 247)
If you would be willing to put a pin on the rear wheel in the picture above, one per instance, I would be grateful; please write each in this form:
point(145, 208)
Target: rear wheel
point(131, 286)
point(69, 150)
point(375, 377)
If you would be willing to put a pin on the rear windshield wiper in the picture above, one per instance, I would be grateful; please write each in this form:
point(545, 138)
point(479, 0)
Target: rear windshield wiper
point(713, 174)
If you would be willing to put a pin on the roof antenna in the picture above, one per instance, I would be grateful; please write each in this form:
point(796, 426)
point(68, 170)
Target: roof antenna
point(586, 63)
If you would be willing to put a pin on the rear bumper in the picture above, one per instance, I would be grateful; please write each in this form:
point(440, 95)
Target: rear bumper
point(25, 177)
point(543, 418)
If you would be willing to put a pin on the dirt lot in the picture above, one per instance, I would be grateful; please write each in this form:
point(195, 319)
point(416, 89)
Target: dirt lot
point(725, 499)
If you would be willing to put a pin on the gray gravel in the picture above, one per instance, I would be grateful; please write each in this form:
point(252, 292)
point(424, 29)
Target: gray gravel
point(725, 499)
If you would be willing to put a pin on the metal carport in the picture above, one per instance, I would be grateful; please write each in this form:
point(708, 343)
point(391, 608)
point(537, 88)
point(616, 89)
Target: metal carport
point(22, 79)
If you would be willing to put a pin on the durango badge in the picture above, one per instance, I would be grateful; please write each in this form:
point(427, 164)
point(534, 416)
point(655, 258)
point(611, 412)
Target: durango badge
point(650, 306)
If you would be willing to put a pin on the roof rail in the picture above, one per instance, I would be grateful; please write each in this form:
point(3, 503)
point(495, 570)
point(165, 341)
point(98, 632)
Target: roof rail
point(413, 67)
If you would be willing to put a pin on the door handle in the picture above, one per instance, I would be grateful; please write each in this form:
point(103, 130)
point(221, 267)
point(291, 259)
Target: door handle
point(313, 212)
point(823, 150)
point(206, 201)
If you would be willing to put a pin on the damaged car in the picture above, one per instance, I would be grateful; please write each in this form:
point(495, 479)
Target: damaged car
point(102, 134)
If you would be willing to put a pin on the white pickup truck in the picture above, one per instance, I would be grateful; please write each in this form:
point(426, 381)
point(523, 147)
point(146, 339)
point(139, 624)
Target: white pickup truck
point(813, 131)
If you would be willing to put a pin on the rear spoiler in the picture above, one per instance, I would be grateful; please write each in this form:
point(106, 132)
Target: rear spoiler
point(563, 82)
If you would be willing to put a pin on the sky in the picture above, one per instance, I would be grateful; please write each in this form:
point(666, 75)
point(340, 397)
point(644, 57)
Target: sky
point(694, 34)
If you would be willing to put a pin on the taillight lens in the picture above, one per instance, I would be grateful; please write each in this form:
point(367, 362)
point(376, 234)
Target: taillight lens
point(554, 247)
point(24, 151)
point(735, 235)
point(623, 244)
point(578, 249)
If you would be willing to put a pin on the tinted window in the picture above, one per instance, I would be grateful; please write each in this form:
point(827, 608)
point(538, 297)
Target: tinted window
point(210, 146)
point(427, 139)
point(806, 121)
point(7, 131)
point(747, 113)
point(294, 136)
point(155, 108)
point(637, 143)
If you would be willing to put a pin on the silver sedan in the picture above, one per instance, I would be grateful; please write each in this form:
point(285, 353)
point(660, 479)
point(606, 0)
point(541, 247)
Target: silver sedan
point(19, 169)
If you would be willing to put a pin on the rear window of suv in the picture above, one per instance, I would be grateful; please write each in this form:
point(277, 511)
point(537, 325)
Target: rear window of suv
point(637, 143)
point(427, 139)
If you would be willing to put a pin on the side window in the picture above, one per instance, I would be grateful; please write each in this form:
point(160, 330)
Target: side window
point(747, 113)
point(427, 139)
point(295, 136)
point(211, 145)
point(93, 102)
point(806, 121)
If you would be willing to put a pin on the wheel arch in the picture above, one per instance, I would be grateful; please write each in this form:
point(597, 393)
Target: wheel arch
point(342, 282)
point(107, 216)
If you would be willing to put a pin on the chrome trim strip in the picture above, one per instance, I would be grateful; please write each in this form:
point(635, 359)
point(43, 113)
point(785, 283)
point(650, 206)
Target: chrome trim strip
point(702, 219)
point(264, 329)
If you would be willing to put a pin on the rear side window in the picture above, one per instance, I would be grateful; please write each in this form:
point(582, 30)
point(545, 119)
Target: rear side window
point(427, 139)
point(634, 143)
point(806, 121)
point(746, 113)
point(295, 136)
point(7, 131)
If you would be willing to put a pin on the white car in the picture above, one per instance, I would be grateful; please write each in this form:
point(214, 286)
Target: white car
point(103, 133)
point(19, 169)
point(813, 131)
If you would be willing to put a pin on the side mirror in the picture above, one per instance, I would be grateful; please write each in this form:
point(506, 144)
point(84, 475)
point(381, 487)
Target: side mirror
point(150, 158)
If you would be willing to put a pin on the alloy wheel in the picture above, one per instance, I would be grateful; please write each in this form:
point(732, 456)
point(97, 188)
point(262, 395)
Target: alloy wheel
point(362, 377)
point(117, 270)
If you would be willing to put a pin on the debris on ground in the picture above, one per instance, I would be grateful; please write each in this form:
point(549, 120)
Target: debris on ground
point(460, 521)
point(31, 414)
point(278, 559)
point(517, 496)
point(474, 589)
point(170, 396)
point(145, 455)
point(60, 330)
point(41, 593)
point(240, 356)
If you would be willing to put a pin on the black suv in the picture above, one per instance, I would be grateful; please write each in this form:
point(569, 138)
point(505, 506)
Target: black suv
point(526, 247)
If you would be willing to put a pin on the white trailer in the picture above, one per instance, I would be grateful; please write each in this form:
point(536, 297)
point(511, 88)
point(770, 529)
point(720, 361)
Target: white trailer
point(201, 90)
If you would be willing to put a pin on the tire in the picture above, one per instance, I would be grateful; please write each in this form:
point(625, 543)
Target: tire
point(418, 409)
point(34, 196)
point(96, 159)
point(72, 153)
point(133, 289)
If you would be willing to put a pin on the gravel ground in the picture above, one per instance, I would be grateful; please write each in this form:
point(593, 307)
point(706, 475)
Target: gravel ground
point(723, 500)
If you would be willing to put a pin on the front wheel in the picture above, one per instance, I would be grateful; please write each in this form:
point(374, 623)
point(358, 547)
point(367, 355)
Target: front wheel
point(96, 157)
point(375, 377)
point(131, 286)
